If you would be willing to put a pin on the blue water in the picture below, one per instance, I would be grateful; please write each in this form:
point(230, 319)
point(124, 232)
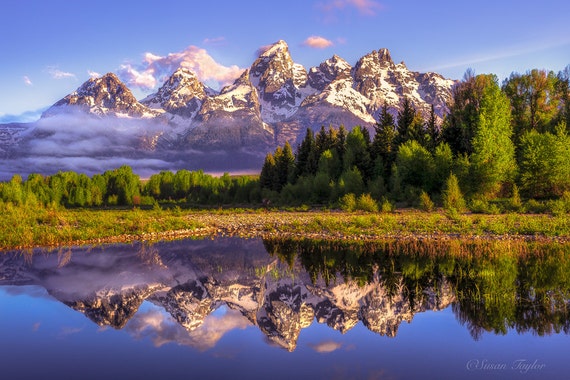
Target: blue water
point(43, 338)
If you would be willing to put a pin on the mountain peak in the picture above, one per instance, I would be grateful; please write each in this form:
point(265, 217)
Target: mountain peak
point(106, 95)
point(279, 46)
point(183, 72)
point(181, 94)
point(384, 55)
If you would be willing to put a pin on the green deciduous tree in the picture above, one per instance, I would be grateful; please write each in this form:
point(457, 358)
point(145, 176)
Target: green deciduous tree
point(415, 166)
point(493, 158)
point(545, 163)
point(357, 152)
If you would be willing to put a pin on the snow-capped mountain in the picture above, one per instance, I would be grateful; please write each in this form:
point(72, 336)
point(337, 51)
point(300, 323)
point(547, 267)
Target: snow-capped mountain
point(273, 101)
point(380, 80)
point(182, 94)
point(190, 280)
point(104, 96)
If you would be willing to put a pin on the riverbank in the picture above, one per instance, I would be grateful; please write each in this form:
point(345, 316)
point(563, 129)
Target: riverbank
point(24, 228)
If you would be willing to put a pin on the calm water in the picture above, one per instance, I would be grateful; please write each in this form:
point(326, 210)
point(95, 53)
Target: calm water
point(231, 308)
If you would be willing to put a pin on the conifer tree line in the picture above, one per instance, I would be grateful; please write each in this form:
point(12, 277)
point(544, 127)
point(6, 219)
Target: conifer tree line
point(495, 142)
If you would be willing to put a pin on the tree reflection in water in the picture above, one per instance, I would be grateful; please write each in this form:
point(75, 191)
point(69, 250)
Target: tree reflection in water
point(497, 285)
point(492, 286)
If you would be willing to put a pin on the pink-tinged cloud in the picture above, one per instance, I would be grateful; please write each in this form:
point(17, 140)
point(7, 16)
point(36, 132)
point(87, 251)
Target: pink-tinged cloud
point(364, 7)
point(155, 69)
point(317, 42)
point(58, 74)
point(162, 329)
point(27, 80)
point(325, 347)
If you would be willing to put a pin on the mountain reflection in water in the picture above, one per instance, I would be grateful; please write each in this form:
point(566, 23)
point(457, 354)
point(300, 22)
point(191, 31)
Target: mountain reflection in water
point(284, 286)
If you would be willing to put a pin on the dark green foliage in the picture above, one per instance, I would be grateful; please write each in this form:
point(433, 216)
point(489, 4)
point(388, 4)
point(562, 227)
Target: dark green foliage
point(433, 133)
point(303, 164)
point(563, 91)
point(406, 123)
point(461, 122)
point(267, 178)
point(383, 149)
point(122, 185)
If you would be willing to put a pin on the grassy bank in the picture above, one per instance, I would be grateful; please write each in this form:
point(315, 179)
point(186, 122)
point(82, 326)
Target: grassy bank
point(24, 227)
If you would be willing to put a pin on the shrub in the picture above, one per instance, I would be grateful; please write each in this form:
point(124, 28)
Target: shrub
point(482, 206)
point(426, 204)
point(365, 202)
point(452, 196)
point(515, 203)
point(560, 206)
point(386, 205)
point(535, 207)
point(348, 202)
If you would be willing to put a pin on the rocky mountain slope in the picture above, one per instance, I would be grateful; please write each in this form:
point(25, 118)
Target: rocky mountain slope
point(104, 96)
point(273, 101)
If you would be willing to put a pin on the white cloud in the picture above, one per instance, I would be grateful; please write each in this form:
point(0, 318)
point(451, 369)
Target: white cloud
point(58, 74)
point(27, 80)
point(325, 347)
point(317, 42)
point(93, 74)
point(162, 329)
point(155, 68)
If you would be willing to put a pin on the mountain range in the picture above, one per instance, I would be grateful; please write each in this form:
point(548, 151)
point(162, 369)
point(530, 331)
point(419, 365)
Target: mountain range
point(273, 101)
point(190, 280)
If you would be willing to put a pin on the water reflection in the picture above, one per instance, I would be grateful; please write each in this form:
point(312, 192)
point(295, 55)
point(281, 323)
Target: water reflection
point(283, 287)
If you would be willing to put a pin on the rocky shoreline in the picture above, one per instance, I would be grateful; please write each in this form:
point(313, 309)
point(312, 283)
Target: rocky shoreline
point(329, 226)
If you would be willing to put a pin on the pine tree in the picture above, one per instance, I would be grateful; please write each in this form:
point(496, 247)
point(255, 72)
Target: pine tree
point(406, 117)
point(268, 172)
point(303, 155)
point(383, 149)
point(432, 130)
point(461, 122)
point(285, 166)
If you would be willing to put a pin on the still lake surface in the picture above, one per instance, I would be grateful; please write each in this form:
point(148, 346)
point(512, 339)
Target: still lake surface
point(237, 308)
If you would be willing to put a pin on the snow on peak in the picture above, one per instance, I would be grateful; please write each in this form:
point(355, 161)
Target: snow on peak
point(102, 96)
point(275, 48)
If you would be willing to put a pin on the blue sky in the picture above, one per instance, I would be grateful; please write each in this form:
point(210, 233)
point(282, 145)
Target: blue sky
point(49, 48)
